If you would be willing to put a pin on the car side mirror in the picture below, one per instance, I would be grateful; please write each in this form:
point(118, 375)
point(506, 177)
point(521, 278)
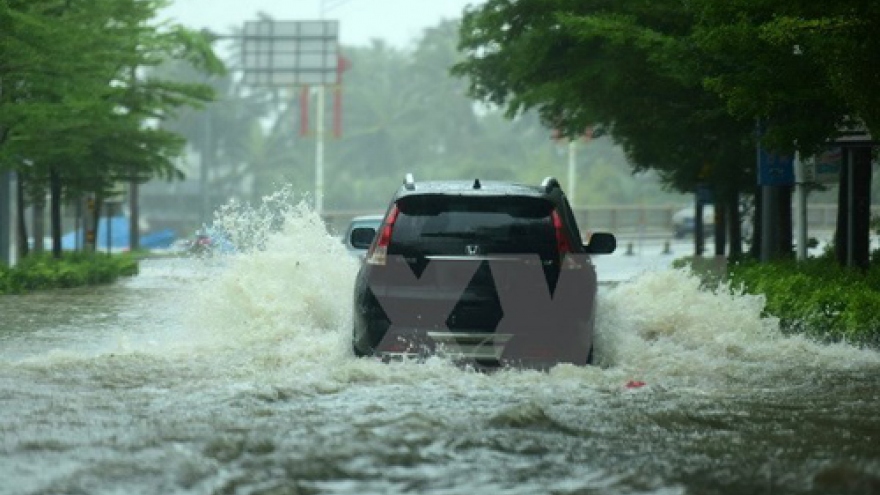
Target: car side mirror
point(361, 237)
point(601, 243)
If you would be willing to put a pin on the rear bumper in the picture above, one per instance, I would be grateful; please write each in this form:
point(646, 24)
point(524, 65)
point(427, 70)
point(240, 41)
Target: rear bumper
point(532, 348)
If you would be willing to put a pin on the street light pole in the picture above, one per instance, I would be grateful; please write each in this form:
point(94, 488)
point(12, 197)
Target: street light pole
point(319, 154)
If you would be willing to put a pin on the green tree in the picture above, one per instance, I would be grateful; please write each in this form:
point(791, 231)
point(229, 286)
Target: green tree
point(806, 69)
point(77, 120)
point(625, 66)
point(245, 134)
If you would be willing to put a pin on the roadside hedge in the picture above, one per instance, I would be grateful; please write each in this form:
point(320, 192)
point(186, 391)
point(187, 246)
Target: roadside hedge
point(43, 272)
point(816, 297)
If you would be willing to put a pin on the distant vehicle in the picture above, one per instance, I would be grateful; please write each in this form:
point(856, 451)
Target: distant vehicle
point(490, 274)
point(683, 221)
point(360, 233)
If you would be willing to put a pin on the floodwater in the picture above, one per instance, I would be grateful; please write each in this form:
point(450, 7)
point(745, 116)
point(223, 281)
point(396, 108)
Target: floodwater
point(233, 375)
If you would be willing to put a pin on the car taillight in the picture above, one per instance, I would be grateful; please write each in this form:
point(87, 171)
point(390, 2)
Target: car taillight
point(378, 253)
point(562, 242)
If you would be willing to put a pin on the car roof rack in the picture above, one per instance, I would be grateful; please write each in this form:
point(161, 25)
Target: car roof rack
point(550, 183)
point(409, 182)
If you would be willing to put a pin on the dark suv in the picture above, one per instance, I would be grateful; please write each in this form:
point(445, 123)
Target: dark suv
point(487, 273)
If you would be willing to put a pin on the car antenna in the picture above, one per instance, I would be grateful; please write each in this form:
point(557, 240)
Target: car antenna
point(409, 182)
point(477, 184)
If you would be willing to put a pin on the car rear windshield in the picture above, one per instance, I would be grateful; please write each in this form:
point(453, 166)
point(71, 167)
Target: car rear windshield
point(467, 225)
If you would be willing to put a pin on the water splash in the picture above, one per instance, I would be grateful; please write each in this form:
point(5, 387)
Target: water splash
point(663, 325)
point(282, 305)
point(287, 288)
point(279, 307)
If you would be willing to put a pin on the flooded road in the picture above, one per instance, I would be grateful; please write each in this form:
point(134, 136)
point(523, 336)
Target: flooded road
point(234, 376)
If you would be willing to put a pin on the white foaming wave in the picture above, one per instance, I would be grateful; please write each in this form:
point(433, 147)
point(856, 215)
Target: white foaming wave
point(664, 325)
point(295, 290)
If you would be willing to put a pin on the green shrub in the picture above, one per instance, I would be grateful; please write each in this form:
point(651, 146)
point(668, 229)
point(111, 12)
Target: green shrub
point(816, 297)
point(72, 270)
point(5, 282)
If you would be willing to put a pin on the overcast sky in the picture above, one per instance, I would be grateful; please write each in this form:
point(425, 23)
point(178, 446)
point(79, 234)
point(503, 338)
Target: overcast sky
point(398, 22)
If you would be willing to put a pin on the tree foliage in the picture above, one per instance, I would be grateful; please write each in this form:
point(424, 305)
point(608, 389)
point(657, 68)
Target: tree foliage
point(622, 65)
point(75, 112)
point(809, 67)
point(681, 85)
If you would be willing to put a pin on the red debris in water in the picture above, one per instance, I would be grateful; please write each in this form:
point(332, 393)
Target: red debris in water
point(635, 384)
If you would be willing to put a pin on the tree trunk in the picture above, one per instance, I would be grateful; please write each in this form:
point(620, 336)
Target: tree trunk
point(785, 246)
point(21, 205)
point(134, 240)
point(841, 232)
point(39, 225)
point(721, 206)
point(99, 208)
point(776, 235)
point(89, 226)
point(853, 248)
point(734, 226)
point(699, 237)
point(862, 204)
point(55, 189)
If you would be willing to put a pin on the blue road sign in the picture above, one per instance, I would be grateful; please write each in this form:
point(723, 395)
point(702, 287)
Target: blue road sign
point(775, 169)
point(705, 194)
